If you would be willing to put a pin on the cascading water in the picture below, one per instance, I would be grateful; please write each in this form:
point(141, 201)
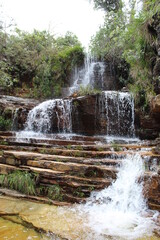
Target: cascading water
point(50, 116)
point(92, 75)
point(119, 110)
point(120, 210)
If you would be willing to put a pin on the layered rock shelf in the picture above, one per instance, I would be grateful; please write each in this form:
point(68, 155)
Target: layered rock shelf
point(77, 167)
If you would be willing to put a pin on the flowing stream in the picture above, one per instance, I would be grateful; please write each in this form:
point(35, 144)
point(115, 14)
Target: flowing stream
point(120, 210)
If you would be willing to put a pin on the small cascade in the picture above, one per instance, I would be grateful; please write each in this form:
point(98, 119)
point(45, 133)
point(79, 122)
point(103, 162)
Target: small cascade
point(50, 116)
point(91, 74)
point(119, 110)
point(120, 210)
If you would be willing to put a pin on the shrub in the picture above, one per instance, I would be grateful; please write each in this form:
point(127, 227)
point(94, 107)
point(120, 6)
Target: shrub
point(87, 90)
point(5, 125)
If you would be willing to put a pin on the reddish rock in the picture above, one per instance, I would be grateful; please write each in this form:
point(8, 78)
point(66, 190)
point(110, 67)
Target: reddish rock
point(155, 105)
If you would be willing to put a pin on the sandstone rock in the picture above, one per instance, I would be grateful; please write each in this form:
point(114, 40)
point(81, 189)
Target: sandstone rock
point(16, 109)
point(155, 105)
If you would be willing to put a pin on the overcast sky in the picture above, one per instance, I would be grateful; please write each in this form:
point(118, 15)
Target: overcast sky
point(58, 16)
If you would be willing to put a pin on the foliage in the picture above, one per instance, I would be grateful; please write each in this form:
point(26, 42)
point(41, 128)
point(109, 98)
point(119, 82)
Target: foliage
point(110, 33)
point(87, 90)
point(5, 124)
point(126, 40)
point(116, 147)
point(107, 5)
point(38, 61)
point(21, 181)
point(55, 193)
point(27, 183)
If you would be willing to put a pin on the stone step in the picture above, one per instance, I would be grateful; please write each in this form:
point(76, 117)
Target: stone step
point(91, 160)
point(5, 169)
point(15, 194)
point(57, 177)
point(68, 184)
point(52, 175)
point(20, 135)
point(49, 162)
point(73, 184)
point(110, 160)
point(81, 153)
point(63, 142)
point(7, 133)
point(23, 156)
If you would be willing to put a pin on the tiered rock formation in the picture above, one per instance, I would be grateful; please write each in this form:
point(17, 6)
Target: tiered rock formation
point(77, 166)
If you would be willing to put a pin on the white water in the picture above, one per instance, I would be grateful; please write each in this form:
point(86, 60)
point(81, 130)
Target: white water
point(119, 109)
point(120, 210)
point(87, 75)
point(40, 118)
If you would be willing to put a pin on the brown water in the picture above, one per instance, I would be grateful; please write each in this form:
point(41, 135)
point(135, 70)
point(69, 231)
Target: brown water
point(22, 220)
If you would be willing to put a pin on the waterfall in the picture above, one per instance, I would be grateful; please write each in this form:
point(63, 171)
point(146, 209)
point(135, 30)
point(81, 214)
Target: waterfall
point(50, 116)
point(91, 74)
point(120, 210)
point(119, 110)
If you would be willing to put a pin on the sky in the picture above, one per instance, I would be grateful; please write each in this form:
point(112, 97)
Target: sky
point(57, 16)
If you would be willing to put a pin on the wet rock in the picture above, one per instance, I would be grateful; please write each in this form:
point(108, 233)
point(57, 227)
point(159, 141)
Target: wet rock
point(16, 109)
point(147, 127)
point(151, 191)
point(83, 115)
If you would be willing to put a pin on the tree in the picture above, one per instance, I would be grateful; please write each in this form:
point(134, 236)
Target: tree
point(108, 5)
point(38, 61)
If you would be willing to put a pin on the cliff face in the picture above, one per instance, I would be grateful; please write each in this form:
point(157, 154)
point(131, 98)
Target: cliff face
point(148, 124)
point(156, 66)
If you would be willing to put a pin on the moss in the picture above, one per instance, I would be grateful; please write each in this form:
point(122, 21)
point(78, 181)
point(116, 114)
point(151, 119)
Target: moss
point(116, 147)
point(79, 147)
point(78, 193)
point(7, 113)
point(4, 143)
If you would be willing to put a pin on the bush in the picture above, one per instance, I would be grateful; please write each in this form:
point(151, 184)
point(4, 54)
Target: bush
point(5, 125)
point(87, 90)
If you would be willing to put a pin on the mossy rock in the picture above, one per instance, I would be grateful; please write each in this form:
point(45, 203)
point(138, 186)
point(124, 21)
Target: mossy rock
point(8, 113)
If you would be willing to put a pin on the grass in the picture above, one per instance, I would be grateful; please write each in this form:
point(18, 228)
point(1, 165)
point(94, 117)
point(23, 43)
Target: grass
point(87, 90)
point(78, 193)
point(5, 124)
point(116, 147)
point(28, 183)
point(21, 181)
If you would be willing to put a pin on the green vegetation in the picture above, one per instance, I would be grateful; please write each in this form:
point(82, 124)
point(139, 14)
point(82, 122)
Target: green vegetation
point(53, 192)
point(69, 147)
point(107, 5)
point(128, 41)
point(28, 183)
point(21, 181)
point(116, 147)
point(78, 193)
point(37, 64)
point(87, 90)
point(5, 124)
